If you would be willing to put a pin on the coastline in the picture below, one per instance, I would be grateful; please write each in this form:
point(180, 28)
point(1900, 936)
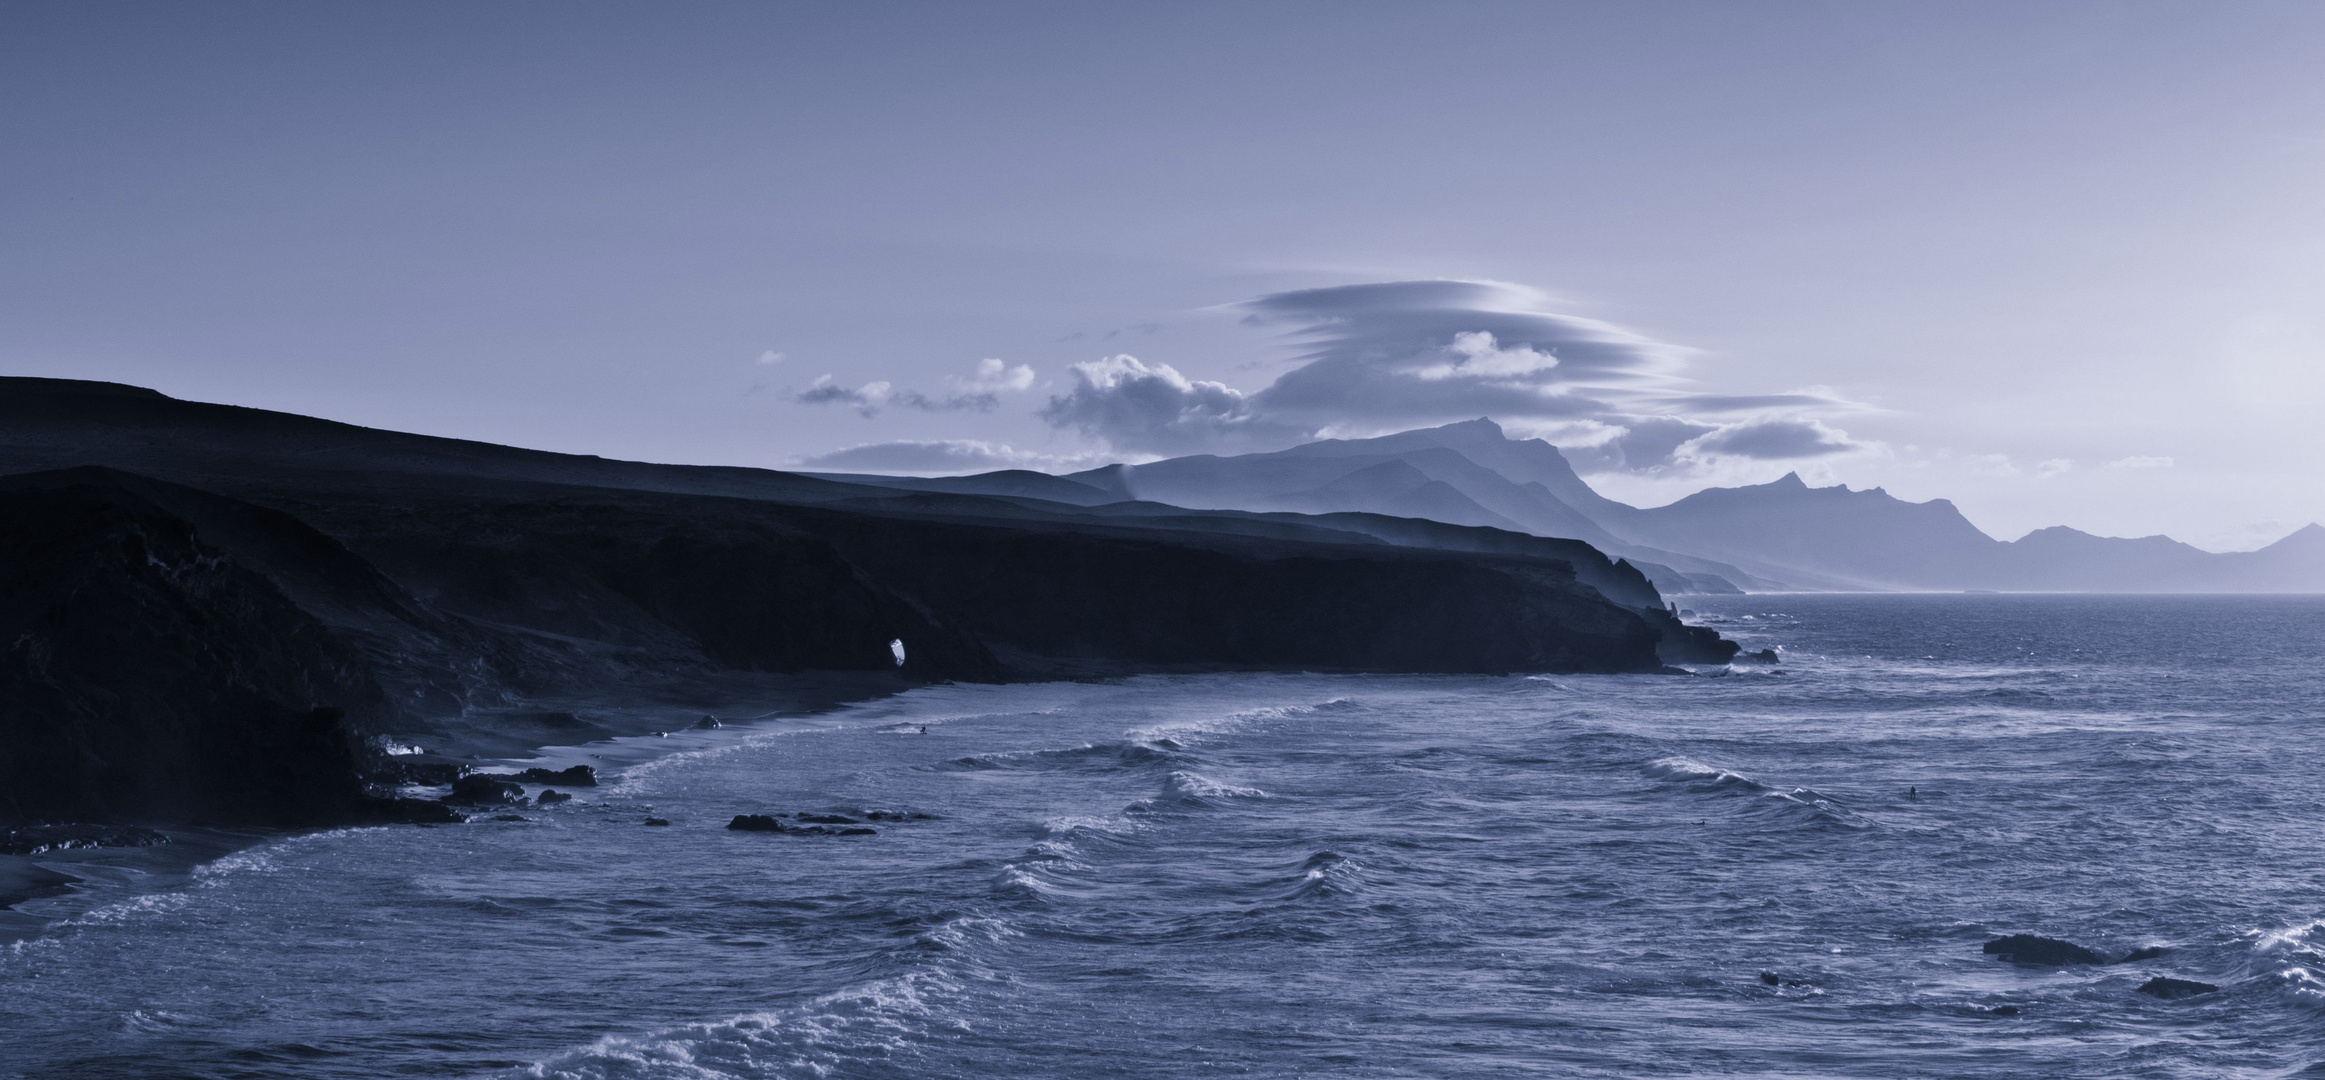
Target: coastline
point(38, 891)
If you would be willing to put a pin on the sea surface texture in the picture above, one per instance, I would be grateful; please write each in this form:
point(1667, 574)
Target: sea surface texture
point(1324, 876)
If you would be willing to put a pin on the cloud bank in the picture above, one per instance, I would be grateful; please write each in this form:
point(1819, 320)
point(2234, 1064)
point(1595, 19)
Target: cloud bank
point(1395, 355)
point(941, 457)
point(980, 392)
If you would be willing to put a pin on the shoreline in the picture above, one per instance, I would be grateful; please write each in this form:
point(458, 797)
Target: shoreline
point(39, 891)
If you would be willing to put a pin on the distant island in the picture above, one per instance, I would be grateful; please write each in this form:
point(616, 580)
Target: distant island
point(1778, 536)
point(229, 615)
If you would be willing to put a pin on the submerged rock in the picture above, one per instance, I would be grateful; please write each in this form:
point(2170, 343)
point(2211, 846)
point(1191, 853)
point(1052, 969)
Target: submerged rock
point(479, 789)
point(657, 821)
point(826, 819)
point(42, 839)
point(2032, 951)
point(770, 823)
point(577, 776)
point(2169, 988)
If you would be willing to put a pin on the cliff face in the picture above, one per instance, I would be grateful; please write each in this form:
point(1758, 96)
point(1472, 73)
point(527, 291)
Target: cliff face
point(145, 675)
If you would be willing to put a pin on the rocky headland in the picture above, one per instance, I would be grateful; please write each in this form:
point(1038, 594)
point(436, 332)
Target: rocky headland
point(223, 615)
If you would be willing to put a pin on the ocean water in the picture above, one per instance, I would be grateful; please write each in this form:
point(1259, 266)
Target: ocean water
point(1325, 876)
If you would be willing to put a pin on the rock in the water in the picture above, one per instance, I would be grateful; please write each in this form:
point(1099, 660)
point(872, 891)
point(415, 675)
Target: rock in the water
point(2169, 988)
point(857, 831)
point(479, 789)
point(898, 815)
point(2003, 1010)
point(657, 821)
point(755, 823)
point(825, 819)
point(1764, 656)
point(1770, 978)
point(708, 723)
point(577, 776)
point(2033, 951)
point(552, 797)
point(42, 839)
point(510, 817)
point(2148, 952)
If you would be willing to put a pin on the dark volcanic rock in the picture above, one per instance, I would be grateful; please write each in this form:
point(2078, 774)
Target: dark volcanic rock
point(552, 797)
point(657, 821)
point(145, 676)
point(41, 839)
point(826, 819)
point(770, 823)
point(2169, 988)
point(483, 789)
point(2032, 951)
point(577, 776)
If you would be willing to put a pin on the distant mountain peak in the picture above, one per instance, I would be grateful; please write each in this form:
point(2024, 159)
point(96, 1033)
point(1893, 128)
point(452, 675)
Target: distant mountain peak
point(1789, 480)
point(1482, 425)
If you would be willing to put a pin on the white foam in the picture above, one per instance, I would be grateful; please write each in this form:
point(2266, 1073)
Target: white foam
point(1685, 769)
point(1196, 784)
point(866, 1023)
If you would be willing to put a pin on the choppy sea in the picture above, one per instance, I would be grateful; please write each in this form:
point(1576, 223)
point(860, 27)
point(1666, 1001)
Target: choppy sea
point(1282, 875)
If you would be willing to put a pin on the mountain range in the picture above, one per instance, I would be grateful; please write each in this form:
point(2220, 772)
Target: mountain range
point(1774, 536)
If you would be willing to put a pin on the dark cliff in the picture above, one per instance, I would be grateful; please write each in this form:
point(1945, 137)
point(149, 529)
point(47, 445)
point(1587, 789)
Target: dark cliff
point(208, 621)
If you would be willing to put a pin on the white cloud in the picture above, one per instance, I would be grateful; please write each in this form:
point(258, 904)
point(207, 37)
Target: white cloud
point(1153, 408)
point(943, 457)
point(1403, 354)
point(993, 376)
point(1768, 440)
point(2140, 463)
point(771, 358)
point(980, 392)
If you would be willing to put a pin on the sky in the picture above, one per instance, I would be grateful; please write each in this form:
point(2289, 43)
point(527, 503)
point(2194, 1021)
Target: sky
point(2061, 263)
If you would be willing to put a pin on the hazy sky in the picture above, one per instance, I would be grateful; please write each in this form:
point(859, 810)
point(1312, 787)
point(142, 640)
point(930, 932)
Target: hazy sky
point(2062, 263)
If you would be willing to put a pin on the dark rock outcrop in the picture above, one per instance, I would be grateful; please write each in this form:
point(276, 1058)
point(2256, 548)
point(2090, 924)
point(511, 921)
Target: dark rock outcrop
point(2170, 988)
point(42, 839)
point(552, 797)
point(146, 676)
point(2032, 951)
point(484, 789)
point(756, 823)
point(575, 776)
